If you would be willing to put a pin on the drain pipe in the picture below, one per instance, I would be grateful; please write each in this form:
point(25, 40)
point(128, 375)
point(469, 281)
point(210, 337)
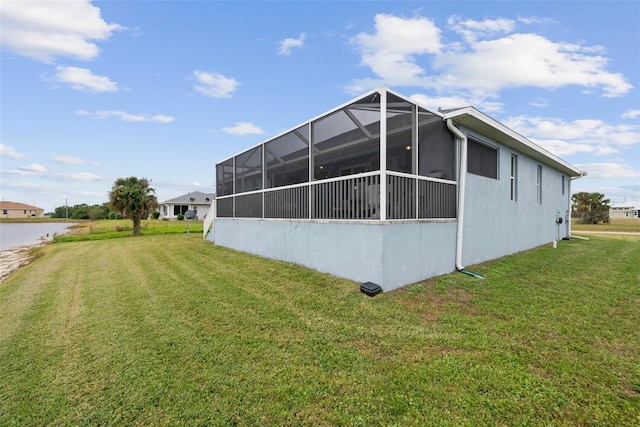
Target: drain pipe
point(461, 188)
point(462, 179)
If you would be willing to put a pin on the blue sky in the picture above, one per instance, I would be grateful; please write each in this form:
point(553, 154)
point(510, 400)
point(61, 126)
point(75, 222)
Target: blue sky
point(93, 91)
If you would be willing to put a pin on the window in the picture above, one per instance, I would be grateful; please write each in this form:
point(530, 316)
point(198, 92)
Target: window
point(180, 209)
point(513, 185)
point(563, 185)
point(4, 211)
point(482, 159)
point(539, 185)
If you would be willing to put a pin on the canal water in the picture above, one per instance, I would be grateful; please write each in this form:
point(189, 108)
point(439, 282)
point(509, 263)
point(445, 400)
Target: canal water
point(16, 234)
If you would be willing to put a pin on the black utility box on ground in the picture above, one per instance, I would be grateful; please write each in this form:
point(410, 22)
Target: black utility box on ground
point(371, 289)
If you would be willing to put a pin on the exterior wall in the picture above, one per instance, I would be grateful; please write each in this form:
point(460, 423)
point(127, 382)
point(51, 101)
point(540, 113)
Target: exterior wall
point(21, 213)
point(203, 210)
point(390, 254)
point(494, 226)
point(631, 212)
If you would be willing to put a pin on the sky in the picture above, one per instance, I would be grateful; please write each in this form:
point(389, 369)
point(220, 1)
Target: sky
point(92, 91)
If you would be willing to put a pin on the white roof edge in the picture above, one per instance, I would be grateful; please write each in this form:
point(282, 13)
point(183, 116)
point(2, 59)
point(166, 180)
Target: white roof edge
point(474, 112)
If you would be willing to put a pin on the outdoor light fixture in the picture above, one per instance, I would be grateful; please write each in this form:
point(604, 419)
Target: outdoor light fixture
point(407, 147)
point(370, 289)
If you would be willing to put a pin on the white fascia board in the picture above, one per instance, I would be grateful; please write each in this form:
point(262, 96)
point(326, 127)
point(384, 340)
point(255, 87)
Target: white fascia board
point(469, 116)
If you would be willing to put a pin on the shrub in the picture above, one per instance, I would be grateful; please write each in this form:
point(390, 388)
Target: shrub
point(180, 217)
point(155, 215)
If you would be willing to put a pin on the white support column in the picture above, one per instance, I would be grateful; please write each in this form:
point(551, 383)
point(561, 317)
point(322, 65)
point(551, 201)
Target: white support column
point(311, 172)
point(383, 154)
point(263, 173)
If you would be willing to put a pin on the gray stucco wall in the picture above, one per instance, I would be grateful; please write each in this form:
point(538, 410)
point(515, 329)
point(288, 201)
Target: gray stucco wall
point(494, 226)
point(391, 254)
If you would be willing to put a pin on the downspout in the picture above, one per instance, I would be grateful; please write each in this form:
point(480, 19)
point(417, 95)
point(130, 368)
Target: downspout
point(462, 180)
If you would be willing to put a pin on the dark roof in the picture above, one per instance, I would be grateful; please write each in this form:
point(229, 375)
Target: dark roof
point(193, 198)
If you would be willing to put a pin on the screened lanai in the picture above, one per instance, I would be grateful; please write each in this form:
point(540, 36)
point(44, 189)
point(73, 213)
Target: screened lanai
point(380, 157)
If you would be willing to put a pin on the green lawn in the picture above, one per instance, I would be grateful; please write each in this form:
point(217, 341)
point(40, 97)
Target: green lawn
point(615, 224)
point(171, 330)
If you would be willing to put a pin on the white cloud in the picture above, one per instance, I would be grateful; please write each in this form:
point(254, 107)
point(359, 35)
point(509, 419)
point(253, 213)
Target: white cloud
point(521, 60)
point(215, 85)
point(46, 30)
point(631, 114)
point(472, 30)
point(539, 102)
point(535, 20)
point(286, 45)
point(584, 131)
point(609, 170)
point(33, 167)
point(391, 50)
point(489, 58)
point(68, 160)
point(9, 151)
point(82, 79)
point(243, 128)
point(127, 117)
point(79, 176)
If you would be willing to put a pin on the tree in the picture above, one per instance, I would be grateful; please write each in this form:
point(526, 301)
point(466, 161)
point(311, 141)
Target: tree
point(590, 208)
point(134, 198)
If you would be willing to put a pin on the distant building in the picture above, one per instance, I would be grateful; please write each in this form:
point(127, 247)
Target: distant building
point(196, 201)
point(625, 210)
point(20, 210)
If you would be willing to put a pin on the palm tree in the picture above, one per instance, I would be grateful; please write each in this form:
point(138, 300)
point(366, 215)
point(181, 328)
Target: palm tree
point(133, 198)
point(591, 208)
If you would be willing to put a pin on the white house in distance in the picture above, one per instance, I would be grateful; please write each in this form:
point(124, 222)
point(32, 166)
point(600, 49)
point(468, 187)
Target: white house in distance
point(624, 210)
point(195, 201)
point(384, 190)
point(19, 210)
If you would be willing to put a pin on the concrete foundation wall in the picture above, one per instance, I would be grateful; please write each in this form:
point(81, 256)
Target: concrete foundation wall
point(390, 254)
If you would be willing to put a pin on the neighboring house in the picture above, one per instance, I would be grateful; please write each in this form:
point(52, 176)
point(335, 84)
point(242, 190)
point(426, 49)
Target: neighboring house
point(195, 201)
point(383, 190)
point(624, 210)
point(20, 210)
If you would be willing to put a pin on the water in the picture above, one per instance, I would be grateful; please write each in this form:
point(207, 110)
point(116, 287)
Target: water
point(13, 234)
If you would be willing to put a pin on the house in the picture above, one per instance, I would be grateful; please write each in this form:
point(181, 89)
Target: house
point(624, 210)
point(384, 190)
point(20, 210)
point(195, 201)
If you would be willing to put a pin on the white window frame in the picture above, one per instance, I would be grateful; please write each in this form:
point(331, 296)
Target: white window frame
point(539, 185)
point(513, 180)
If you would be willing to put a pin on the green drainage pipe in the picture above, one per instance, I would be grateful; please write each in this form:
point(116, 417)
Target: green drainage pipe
point(473, 273)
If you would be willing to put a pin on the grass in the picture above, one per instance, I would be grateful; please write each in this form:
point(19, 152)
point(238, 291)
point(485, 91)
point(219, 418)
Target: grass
point(171, 330)
point(615, 224)
point(111, 229)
